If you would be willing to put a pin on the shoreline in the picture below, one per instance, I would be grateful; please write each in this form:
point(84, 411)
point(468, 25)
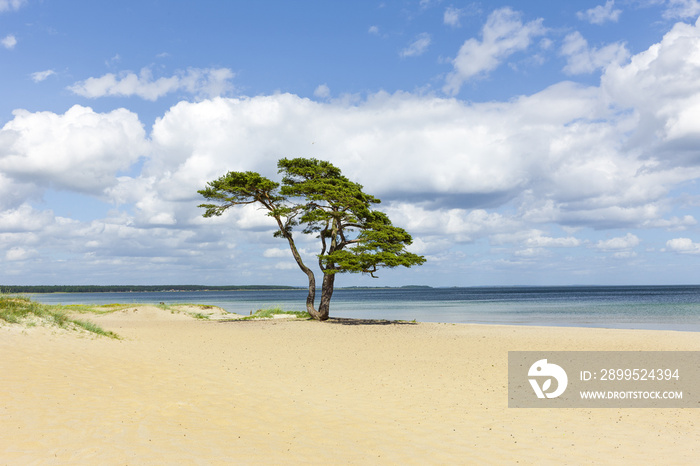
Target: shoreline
point(658, 308)
point(179, 390)
point(517, 325)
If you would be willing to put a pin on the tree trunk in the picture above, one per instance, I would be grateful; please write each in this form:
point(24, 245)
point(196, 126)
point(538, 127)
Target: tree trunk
point(326, 294)
point(312, 296)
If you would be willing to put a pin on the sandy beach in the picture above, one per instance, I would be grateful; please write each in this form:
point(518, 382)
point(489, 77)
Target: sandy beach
point(179, 390)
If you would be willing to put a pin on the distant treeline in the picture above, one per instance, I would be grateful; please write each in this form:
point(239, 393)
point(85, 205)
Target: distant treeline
point(131, 288)
point(160, 288)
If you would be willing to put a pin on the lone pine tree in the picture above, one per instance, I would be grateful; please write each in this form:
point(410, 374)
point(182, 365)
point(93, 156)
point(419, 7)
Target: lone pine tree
point(316, 197)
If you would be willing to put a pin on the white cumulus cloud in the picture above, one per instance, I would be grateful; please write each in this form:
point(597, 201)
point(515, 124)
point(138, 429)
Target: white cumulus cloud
point(584, 59)
point(683, 246)
point(18, 253)
point(681, 9)
point(7, 5)
point(277, 253)
point(601, 13)
point(503, 35)
point(662, 86)
point(80, 150)
point(322, 91)
point(623, 242)
point(203, 83)
point(538, 240)
point(418, 47)
point(42, 75)
point(452, 16)
point(9, 41)
point(25, 219)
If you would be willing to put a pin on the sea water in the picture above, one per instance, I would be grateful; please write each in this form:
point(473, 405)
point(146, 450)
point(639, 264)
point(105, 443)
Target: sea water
point(641, 307)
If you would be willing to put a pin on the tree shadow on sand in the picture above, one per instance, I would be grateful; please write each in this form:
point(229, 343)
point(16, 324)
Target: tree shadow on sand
point(332, 321)
point(349, 321)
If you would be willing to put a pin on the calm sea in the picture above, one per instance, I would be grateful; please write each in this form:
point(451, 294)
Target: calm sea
point(641, 307)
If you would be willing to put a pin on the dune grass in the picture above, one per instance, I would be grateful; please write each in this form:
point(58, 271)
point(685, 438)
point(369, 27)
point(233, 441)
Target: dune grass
point(22, 310)
point(114, 307)
point(272, 312)
point(92, 308)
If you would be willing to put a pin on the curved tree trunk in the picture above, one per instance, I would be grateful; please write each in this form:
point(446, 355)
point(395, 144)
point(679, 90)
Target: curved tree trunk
point(312, 296)
point(326, 294)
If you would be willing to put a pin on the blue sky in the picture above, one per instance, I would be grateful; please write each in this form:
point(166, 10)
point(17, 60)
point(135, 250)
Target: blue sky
point(520, 143)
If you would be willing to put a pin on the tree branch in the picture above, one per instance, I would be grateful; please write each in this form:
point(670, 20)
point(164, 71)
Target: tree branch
point(323, 234)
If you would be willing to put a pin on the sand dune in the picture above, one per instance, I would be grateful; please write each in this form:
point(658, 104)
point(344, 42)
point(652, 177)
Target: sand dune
point(178, 390)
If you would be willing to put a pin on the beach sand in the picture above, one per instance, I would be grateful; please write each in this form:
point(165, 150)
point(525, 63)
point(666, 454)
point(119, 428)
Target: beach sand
point(178, 390)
